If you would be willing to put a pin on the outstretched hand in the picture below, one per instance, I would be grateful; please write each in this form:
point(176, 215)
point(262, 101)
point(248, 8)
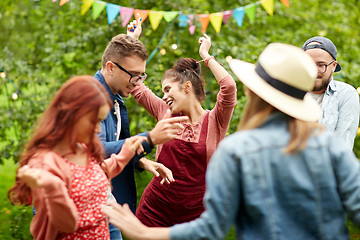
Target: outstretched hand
point(167, 128)
point(135, 144)
point(205, 44)
point(134, 28)
point(123, 218)
point(158, 169)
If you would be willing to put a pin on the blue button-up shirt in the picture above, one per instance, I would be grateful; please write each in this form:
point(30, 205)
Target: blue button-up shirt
point(124, 188)
point(268, 194)
point(341, 111)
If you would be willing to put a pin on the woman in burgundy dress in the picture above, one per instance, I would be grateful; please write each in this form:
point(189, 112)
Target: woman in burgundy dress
point(188, 154)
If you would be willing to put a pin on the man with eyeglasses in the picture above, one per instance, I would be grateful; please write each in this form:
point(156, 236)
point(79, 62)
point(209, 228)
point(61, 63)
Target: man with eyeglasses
point(123, 65)
point(339, 101)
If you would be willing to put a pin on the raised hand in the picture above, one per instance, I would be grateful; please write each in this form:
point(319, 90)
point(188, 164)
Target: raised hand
point(205, 44)
point(167, 128)
point(134, 28)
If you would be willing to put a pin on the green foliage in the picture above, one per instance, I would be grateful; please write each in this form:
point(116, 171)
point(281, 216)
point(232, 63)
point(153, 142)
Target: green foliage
point(43, 44)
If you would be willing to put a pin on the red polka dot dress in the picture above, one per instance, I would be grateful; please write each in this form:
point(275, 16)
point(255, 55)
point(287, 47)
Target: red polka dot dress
point(89, 191)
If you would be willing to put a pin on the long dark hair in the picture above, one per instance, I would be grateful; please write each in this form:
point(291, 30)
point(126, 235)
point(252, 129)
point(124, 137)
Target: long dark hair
point(78, 96)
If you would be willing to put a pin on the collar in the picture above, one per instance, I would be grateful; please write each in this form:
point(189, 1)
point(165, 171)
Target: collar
point(113, 96)
point(274, 118)
point(331, 87)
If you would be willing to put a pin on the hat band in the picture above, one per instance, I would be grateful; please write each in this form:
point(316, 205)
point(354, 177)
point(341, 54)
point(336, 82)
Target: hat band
point(279, 85)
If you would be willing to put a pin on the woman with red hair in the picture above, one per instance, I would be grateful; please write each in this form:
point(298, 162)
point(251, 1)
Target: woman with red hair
point(62, 170)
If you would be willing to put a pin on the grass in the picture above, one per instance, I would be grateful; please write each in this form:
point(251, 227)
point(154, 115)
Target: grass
point(14, 220)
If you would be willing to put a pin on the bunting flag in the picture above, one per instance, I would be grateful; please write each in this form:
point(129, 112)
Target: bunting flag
point(286, 2)
point(204, 20)
point(112, 11)
point(86, 5)
point(192, 26)
point(226, 15)
point(155, 18)
point(169, 16)
point(143, 14)
point(183, 20)
point(192, 29)
point(126, 14)
point(62, 2)
point(268, 5)
point(239, 14)
point(97, 8)
point(250, 11)
point(216, 20)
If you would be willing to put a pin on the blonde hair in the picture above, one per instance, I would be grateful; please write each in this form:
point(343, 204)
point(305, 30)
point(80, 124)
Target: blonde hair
point(257, 111)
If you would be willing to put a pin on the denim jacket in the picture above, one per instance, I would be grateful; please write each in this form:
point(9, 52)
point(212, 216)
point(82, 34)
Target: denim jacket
point(341, 111)
point(124, 188)
point(268, 194)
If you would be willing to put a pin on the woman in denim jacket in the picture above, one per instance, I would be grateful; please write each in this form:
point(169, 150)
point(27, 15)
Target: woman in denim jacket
point(281, 176)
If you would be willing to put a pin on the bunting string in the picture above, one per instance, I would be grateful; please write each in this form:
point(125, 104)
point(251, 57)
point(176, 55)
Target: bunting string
point(217, 20)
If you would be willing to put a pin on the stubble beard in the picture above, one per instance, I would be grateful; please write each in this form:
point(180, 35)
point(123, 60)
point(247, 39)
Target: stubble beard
point(324, 84)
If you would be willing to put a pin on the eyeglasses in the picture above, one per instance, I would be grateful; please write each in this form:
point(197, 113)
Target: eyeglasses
point(321, 67)
point(133, 77)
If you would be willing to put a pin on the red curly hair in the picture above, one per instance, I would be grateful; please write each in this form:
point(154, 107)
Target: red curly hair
point(80, 95)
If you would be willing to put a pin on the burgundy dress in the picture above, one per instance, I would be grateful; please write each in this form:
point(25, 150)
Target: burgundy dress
point(168, 204)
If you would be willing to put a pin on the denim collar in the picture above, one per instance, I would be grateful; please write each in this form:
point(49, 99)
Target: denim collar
point(275, 118)
point(113, 97)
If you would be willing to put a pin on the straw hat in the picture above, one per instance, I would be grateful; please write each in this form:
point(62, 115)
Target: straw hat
point(282, 77)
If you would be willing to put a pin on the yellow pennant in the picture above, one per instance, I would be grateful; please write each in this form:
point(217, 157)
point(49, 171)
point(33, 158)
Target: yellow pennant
point(216, 20)
point(86, 5)
point(155, 18)
point(268, 6)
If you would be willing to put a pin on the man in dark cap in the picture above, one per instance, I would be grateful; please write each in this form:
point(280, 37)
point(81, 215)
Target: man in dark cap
point(339, 101)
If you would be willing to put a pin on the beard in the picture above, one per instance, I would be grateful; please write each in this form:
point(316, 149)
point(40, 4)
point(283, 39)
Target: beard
point(323, 84)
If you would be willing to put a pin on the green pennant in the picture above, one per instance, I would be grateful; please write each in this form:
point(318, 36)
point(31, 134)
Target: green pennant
point(170, 15)
point(97, 8)
point(250, 11)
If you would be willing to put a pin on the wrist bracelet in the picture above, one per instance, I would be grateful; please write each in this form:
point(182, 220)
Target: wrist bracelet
point(150, 142)
point(206, 61)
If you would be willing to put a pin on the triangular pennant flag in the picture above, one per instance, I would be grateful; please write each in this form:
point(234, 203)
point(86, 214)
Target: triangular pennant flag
point(204, 19)
point(238, 15)
point(268, 6)
point(226, 16)
point(192, 29)
point(86, 5)
point(155, 18)
point(112, 11)
point(183, 20)
point(286, 2)
point(170, 15)
point(62, 2)
point(126, 14)
point(143, 14)
point(191, 19)
point(97, 8)
point(216, 20)
point(250, 11)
